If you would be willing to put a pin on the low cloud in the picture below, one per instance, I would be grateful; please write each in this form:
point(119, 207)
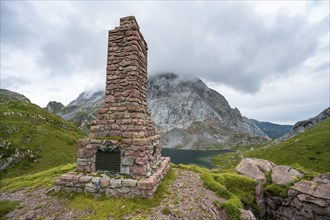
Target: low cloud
point(237, 45)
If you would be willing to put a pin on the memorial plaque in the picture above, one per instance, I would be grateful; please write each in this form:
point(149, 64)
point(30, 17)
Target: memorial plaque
point(107, 161)
point(108, 158)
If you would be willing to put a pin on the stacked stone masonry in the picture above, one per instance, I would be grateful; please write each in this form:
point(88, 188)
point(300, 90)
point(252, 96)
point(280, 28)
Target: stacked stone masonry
point(124, 122)
point(113, 187)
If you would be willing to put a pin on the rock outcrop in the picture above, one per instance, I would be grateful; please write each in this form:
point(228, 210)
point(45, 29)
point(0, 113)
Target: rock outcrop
point(256, 169)
point(54, 107)
point(7, 96)
point(8, 155)
point(305, 199)
point(283, 175)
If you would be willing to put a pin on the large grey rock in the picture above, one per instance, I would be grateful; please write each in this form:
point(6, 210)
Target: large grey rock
point(312, 199)
point(254, 168)
point(306, 200)
point(246, 215)
point(283, 175)
point(319, 187)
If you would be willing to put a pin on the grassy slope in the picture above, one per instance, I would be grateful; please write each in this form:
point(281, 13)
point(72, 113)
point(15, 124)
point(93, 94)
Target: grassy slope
point(308, 151)
point(52, 140)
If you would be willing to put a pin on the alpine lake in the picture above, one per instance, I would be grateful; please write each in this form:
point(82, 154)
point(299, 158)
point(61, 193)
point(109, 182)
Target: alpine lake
point(199, 157)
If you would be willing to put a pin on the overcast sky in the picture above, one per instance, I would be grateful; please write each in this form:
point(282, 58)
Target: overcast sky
point(269, 59)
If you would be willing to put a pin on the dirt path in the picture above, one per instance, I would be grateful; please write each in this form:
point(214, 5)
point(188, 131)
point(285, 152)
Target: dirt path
point(187, 199)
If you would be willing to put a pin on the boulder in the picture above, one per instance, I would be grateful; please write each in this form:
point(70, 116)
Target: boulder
point(283, 175)
point(254, 168)
point(305, 200)
point(246, 215)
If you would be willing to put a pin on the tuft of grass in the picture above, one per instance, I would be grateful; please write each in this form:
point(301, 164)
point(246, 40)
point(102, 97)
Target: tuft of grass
point(118, 138)
point(277, 190)
point(166, 211)
point(268, 176)
point(237, 189)
point(7, 206)
point(233, 207)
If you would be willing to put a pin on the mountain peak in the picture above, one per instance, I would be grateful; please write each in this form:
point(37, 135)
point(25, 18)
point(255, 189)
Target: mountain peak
point(54, 107)
point(171, 84)
point(87, 97)
point(7, 96)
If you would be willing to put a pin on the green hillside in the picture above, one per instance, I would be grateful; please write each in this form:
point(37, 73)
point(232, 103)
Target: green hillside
point(41, 139)
point(309, 151)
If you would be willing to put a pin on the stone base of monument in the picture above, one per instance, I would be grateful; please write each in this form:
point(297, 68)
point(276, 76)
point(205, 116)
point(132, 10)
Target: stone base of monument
point(114, 186)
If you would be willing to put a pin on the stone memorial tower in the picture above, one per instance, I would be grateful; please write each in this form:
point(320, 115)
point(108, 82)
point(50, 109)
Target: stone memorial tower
point(123, 141)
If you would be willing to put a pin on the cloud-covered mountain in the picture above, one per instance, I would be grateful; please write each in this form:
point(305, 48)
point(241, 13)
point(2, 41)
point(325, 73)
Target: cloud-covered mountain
point(187, 113)
point(191, 115)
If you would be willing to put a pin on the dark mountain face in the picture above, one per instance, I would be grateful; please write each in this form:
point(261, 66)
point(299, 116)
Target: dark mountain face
point(54, 107)
point(272, 130)
point(187, 113)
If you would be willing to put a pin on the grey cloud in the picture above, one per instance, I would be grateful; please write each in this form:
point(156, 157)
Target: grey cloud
point(74, 49)
point(224, 42)
point(12, 82)
point(235, 46)
point(18, 24)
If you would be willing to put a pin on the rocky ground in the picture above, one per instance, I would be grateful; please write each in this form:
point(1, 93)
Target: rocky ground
point(36, 204)
point(187, 199)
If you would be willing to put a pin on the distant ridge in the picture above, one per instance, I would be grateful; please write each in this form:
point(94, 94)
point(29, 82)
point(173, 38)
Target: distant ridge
point(302, 126)
point(272, 130)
